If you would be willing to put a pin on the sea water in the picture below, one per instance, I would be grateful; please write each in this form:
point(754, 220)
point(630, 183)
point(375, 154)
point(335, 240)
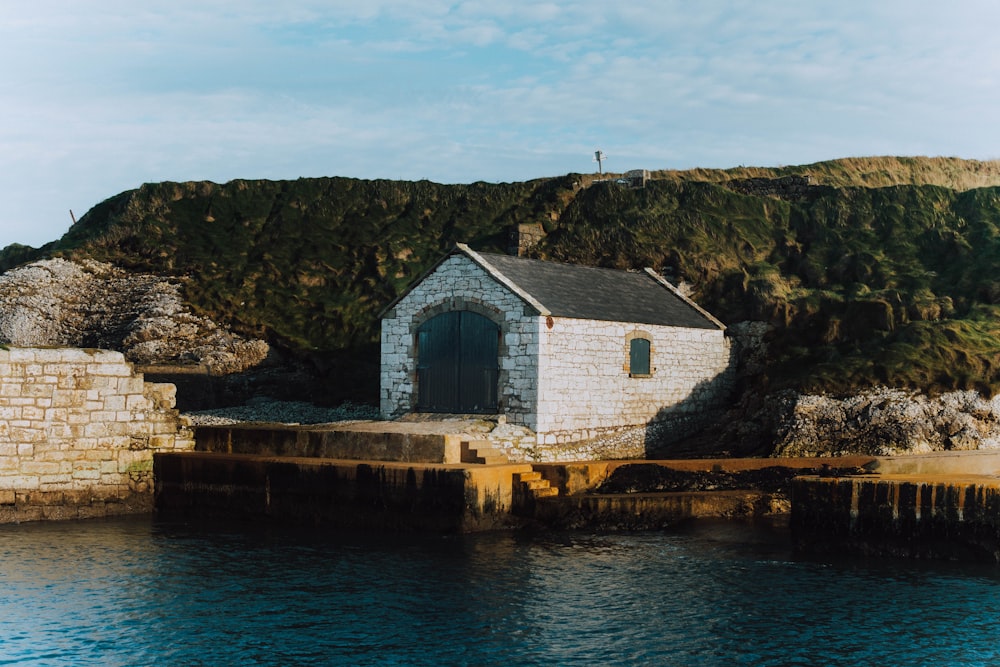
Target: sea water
point(144, 592)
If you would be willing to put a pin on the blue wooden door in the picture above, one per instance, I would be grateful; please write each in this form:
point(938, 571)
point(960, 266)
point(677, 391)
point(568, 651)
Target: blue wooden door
point(457, 366)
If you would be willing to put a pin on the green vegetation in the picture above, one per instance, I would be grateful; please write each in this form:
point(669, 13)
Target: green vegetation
point(871, 172)
point(308, 263)
point(887, 272)
point(862, 285)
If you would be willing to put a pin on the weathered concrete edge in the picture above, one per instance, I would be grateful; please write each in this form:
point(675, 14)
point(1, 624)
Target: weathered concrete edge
point(405, 496)
point(582, 476)
point(331, 443)
point(339, 493)
point(980, 461)
point(953, 517)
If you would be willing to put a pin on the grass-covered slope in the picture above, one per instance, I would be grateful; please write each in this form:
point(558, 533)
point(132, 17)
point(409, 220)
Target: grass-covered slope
point(871, 172)
point(307, 262)
point(886, 272)
point(892, 285)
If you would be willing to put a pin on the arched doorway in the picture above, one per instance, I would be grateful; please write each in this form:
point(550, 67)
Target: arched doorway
point(457, 363)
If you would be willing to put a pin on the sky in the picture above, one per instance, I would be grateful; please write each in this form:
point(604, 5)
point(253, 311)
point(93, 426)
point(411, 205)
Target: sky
point(100, 97)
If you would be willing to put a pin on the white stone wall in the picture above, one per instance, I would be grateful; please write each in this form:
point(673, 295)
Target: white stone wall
point(461, 284)
point(78, 429)
point(586, 392)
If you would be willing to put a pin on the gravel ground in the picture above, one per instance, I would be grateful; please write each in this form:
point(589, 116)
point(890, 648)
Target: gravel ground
point(282, 412)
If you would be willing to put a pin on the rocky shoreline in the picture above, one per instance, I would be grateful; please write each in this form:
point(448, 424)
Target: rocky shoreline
point(877, 422)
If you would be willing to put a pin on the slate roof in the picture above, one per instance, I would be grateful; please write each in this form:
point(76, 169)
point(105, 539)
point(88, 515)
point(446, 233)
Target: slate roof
point(583, 292)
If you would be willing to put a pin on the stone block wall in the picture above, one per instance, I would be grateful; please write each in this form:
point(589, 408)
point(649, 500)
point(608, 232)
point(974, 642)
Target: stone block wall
point(586, 392)
point(460, 284)
point(78, 429)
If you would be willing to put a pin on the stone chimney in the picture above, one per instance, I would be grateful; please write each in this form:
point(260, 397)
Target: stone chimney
point(524, 237)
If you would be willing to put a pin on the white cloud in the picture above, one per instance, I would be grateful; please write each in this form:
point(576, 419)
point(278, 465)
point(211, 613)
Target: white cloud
point(105, 97)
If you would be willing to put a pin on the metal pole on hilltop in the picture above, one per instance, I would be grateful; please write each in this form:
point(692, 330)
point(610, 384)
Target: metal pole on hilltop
point(599, 159)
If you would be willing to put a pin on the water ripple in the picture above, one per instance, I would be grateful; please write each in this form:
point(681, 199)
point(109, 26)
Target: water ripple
point(138, 592)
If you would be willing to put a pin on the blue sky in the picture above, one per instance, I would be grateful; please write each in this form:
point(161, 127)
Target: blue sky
point(100, 97)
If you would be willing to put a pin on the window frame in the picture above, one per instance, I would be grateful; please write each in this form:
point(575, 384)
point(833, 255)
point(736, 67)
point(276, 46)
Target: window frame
point(630, 339)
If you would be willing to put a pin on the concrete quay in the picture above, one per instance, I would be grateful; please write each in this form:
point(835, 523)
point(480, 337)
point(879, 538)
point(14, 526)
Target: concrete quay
point(378, 495)
point(939, 506)
point(450, 498)
point(428, 476)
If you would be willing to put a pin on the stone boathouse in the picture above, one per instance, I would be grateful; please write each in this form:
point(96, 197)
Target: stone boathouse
point(596, 363)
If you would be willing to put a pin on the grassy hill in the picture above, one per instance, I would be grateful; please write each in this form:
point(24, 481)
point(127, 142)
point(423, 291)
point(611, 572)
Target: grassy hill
point(871, 172)
point(887, 271)
point(891, 285)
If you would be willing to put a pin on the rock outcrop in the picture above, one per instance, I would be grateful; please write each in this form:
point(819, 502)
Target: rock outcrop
point(884, 422)
point(56, 302)
point(874, 422)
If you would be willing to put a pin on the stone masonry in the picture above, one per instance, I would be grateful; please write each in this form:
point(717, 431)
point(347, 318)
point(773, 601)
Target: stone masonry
point(78, 428)
point(586, 392)
point(459, 284)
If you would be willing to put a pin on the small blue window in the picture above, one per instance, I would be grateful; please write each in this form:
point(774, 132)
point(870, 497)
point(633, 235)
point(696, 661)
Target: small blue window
point(638, 357)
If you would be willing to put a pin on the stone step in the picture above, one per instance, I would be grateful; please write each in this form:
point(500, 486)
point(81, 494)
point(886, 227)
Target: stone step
point(467, 453)
point(535, 484)
point(488, 451)
point(482, 452)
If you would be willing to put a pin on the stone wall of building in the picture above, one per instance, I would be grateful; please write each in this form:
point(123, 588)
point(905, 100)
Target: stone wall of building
point(587, 393)
point(460, 284)
point(78, 428)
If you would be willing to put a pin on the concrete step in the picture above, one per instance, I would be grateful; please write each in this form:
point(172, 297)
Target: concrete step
point(483, 452)
point(470, 448)
point(488, 451)
point(536, 485)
